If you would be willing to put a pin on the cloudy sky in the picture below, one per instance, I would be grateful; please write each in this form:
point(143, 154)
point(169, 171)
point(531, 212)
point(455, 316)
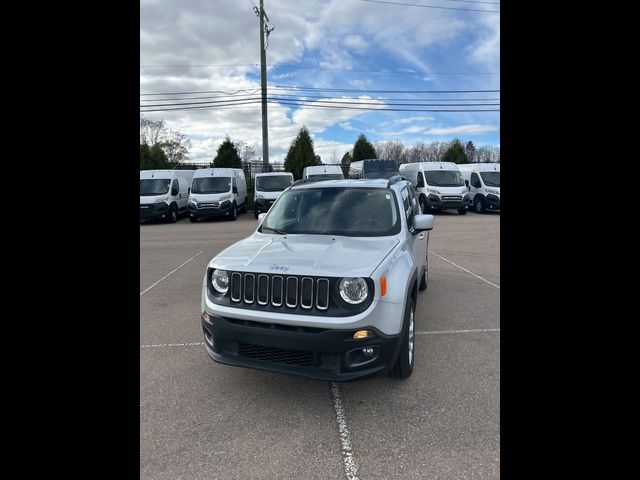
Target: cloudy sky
point(332, 52)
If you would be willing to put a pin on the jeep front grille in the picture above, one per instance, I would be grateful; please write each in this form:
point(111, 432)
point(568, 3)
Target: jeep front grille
point(280, 290)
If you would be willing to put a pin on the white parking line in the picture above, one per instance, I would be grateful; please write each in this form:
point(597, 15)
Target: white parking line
point(348, 460)
point(468, 271)
point(193, 344)
point(170, 273)
point(479, 330)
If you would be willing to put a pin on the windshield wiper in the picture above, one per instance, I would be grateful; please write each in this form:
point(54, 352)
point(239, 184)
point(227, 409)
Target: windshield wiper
point(278, 231)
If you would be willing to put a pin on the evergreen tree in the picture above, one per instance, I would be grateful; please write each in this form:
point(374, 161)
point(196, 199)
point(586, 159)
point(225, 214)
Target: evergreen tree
point(227, 155)
point(455, 153)
point(362, 149)
point(300, 154)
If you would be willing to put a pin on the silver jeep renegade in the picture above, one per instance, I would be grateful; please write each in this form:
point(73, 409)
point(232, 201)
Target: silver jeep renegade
point(326, 286)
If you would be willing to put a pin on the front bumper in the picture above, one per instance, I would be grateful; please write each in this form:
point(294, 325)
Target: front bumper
point(262, 205)
point(153, 211)
point(224, 209)
point(323, 354)
point(493, 202)
point(442, 203)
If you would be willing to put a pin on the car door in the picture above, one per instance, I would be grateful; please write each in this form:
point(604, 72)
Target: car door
point(183, 194)
point(475, 186)
point(420, 240)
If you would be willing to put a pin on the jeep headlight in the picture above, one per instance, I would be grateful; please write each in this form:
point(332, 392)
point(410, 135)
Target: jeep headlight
point(220, 281)
point(353, 290)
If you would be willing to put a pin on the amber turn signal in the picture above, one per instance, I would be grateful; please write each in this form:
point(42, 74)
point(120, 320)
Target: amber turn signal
point(362, 334)
point(383, 286)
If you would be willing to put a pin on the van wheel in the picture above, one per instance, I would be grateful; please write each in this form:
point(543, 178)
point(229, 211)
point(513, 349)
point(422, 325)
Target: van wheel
point(173, 214)
point(424, 206)
point(234, 212)
point(404, 363)
point(462, 211)
point(255, 212)
point(479, 205)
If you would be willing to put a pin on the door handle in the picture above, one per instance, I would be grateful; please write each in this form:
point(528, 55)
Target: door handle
point(421, 236)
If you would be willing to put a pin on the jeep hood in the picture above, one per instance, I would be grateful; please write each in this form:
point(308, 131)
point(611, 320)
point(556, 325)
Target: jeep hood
point(318, 255)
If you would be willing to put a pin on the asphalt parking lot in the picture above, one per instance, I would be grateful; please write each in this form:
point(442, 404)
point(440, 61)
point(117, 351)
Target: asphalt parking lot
point(202, 420)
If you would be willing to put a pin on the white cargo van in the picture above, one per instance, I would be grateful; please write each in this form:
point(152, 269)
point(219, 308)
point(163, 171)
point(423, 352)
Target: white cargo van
point(164, 194)
point(217, 192)
point(439, 185)
point(323, 172)
point(483, 183)
point(268, 188)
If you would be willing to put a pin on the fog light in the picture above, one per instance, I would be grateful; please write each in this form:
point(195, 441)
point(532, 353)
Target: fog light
point(367, 352)
point(362, 334)
point(207, 317)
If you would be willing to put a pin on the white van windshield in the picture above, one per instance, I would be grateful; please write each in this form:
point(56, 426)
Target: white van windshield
point(444, 178)
point(275, 183)
point(154, 186)
point(207, 185)
point(326, 176)
point(491, 179)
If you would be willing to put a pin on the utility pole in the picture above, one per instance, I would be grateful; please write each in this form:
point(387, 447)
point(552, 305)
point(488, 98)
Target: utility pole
point(264, 32)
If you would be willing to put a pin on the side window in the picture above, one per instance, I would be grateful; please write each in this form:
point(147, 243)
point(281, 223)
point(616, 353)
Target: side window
point(408, 208)
point(475, 180)
point(174, 187)
point(420, 183)
point(414, 201)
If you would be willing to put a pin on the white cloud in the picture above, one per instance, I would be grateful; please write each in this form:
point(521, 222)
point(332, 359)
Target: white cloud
point(464, 129)
point(411, 119)
point(355, 43)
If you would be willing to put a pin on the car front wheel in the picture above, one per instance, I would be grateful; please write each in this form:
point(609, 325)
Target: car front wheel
point(405, 360)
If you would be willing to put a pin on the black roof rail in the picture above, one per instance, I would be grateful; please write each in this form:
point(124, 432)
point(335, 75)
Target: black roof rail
point(303, 181)
point(395, 179)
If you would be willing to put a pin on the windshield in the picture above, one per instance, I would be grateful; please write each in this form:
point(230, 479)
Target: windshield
point(385, 175)
point(275, 183)
point(491, 179)
point(326, 176)
point(444, 178)
point(211, 185)
point(352, 212)
point(154, 186)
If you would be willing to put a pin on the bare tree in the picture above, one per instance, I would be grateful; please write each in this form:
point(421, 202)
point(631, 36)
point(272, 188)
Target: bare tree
point(417, 153)
point(392, 150)
point(152, 131)
point(176, 146)
point(247, 152)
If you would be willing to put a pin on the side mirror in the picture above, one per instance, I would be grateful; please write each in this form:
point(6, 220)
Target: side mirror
point(419, 183)
point(423, 222)
point(466, 182)
point(261, 218)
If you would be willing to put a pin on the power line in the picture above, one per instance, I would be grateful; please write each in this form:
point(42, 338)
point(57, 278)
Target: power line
point(323, 69)
point(317, 89)
point(344, 107)
point(473, 1)
point(331, 101)
point(302, 97)
point(430, 6)
point(322, 89)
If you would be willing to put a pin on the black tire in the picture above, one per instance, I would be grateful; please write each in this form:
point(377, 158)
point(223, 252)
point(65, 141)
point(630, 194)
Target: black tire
point(255, 213)
point(234, 212)
point(406, 357)
point(424, 205)
point(478, 204)
point(173, 214)
point(193, 219)
point(462, 211)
